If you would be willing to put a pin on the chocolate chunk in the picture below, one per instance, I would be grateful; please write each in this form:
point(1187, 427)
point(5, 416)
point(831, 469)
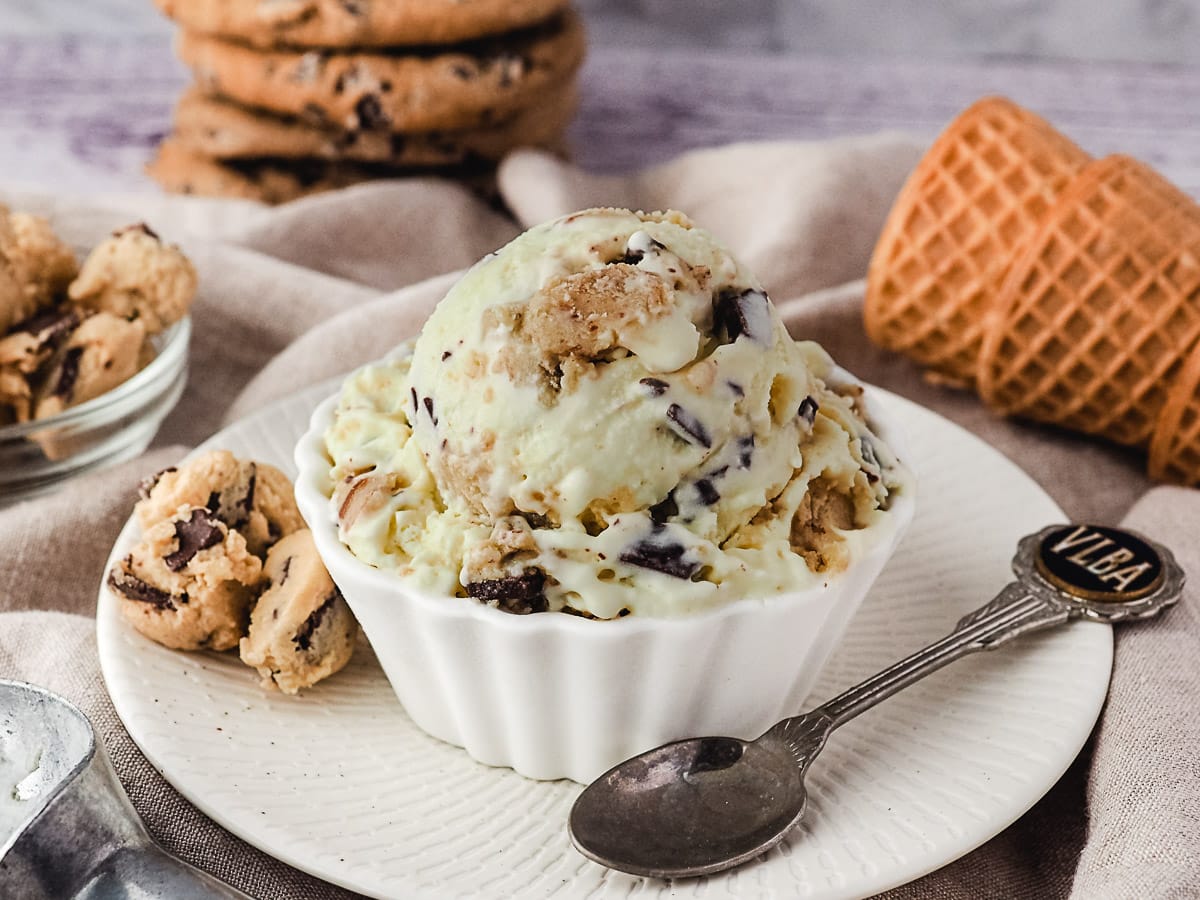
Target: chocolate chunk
point(428, 401)
point(146, 485)
point(214, 503)
point(49, 325)
point(304, 634)
point(68, 372)
point(521, 594)
point(664, 509)
point(283, 575)
point(667, 557)
point(693, 430)
point(370, 112)
point(535, 520)
point(808, 410)
point(446, 354)
point(745, 445)
point(138, 226)
point(656, 386)
point(748, 313)
point(199, 532)
point(133, 588)
point(635, 252)
point(413, 391)
point(707, 492)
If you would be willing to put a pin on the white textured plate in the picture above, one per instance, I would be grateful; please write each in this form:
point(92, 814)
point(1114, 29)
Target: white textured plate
point(341, 784)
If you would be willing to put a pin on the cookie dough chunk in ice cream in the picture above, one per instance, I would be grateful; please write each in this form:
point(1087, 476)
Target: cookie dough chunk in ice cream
point(607, 417)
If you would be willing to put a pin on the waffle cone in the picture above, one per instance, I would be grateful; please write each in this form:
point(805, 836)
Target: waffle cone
point(1175, 444)
point(977, 194)
point(1098, 310)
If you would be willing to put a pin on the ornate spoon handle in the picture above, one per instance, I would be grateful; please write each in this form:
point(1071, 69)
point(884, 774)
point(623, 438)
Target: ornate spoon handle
point(1063, 572)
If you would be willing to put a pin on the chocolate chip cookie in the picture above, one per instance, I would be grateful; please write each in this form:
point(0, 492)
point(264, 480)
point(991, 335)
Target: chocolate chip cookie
point(356, 23)
point(189, 583)
point(466, 86)
point(217, 128)
point(182, 171)
point(252, 498)
point(100, 354)
point(301, 630)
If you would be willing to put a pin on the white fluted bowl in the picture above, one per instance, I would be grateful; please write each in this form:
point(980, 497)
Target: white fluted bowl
point(559, 696)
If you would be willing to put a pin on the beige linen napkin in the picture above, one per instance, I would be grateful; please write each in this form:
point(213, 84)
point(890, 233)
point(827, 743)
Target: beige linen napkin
point(291, 296)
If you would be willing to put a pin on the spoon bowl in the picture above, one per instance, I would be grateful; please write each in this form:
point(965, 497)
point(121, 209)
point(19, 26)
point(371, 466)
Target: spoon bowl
point(698, 803)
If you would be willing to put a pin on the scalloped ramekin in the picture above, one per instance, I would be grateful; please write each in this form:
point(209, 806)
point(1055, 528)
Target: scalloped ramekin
point(559, 696)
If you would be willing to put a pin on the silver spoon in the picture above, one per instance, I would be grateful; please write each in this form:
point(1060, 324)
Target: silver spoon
point(702, 805)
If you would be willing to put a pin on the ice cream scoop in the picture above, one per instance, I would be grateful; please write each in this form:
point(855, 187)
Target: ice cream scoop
point(608, 417)
point(67, 829)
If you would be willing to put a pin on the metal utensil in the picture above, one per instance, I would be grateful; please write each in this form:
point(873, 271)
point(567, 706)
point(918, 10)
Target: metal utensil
point(67, 830)
point(702, 805)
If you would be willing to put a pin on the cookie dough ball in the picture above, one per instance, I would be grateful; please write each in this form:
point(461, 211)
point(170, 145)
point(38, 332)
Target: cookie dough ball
point(22, 353)
point(134, 274)
point(253, 498)
point(189, 584)
point(47, 264)
point(14, 304)
point(301, 630)
point(100, 354)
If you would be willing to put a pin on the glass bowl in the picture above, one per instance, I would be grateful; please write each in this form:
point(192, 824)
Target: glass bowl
point(37, 457)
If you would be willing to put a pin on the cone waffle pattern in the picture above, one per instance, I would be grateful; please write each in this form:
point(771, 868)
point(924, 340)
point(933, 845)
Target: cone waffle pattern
point(1175, 447)
point(977, 194)
point(1100, 309)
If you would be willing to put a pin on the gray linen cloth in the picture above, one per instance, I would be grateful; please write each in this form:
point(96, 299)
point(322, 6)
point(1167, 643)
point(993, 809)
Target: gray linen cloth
point(294, 295)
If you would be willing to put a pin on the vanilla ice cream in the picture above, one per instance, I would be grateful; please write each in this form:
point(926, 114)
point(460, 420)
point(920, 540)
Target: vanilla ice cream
point(607, 417)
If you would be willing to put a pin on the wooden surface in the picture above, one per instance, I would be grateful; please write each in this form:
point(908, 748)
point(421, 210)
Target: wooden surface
point(83, 114)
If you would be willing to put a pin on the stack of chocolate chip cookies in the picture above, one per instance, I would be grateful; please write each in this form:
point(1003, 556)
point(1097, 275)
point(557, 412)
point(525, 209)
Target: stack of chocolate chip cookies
point(297, 96)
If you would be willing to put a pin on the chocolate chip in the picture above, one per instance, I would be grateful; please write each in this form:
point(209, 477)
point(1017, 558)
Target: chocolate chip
point(664, 509)
point(747, 312)
point(130, 586)
point(521, 594)
point(370, 112)
point(214, 503)
point(247, 503)
point(413, 391)
point(668, 557)
point(808, 410)
point(199, 532)
point(446, 354)
point(707, 492)
point(656, 386)
point(147, 484)
point(737, 389)
point(428, 401)
point(304, 634)
point(339, 84)
point(745, 446)
point(693, 430)
point(68, 372)
point(634, 254)
point(284, 569)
